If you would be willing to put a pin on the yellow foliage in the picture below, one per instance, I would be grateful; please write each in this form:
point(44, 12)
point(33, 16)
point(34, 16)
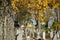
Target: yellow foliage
point(57, 24)
point(56, 5)
point(13, 5)
point(40, 11)
point(45, 3)
point(29, 25)
point(34, 4)
point(37, 5)
point(41, 19)
point(14, 12)
point(15, 0)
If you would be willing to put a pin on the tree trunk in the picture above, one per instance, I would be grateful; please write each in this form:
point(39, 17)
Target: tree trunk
point(6, 23)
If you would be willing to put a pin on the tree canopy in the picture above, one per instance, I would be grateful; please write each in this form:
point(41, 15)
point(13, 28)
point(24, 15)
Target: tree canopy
point(34, 5)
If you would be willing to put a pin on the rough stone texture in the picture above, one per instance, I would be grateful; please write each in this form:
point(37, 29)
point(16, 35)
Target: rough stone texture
point(7, 31)
point(1, 29)
point(7, 28)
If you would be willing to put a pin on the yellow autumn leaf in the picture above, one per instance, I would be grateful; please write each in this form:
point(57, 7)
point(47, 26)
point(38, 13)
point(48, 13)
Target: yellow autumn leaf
point(56, 6)
point(41, 19)
point(40, 11)
point(57, 24)
point(45, 3)
point(14, 12)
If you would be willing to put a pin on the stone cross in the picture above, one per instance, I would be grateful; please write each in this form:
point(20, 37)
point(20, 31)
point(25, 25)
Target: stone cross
point(51, 34)
point(19, 37)
point(33, 21)
point(38, 35)
point(55, 37)
point(44, 34)
point(28, 38)
point(50, 23)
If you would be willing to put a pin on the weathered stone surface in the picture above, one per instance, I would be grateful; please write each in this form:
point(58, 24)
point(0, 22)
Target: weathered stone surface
point(7, 28)
point(7, 31)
